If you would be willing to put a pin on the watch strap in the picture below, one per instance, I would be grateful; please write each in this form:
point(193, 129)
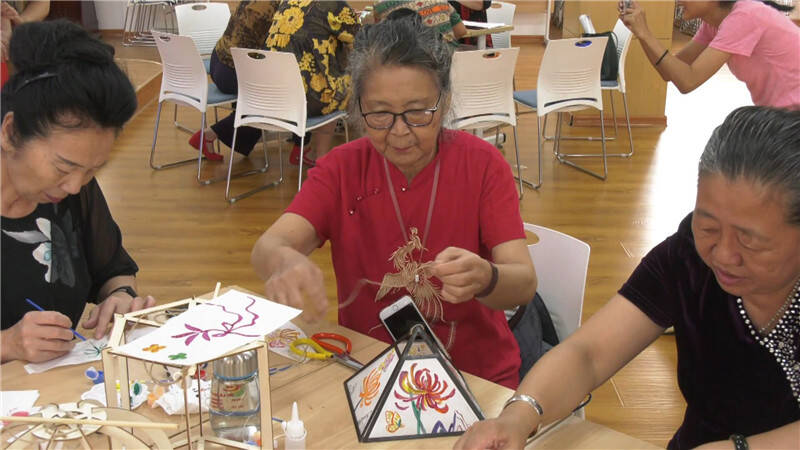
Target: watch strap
point(126, 289)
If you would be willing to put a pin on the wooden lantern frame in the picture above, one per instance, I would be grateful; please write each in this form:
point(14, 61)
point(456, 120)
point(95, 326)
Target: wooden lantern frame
point(115, 365)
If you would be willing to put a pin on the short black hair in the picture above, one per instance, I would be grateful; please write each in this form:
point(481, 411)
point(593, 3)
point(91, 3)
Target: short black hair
point(64, 78)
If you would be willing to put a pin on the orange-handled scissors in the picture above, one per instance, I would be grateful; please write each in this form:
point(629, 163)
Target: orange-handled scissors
point(325, 350)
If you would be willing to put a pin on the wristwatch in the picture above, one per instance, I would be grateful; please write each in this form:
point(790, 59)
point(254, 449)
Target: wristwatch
point(126, 289)
point(739, 442)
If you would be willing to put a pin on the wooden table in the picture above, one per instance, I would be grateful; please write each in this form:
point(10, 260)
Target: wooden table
point(317, 386)
point(481, 32)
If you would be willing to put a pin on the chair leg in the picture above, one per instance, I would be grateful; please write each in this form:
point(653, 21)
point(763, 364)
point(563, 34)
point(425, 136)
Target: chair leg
point(628, 120)
point(519, 177)
point(346, 131)
point(179, 125)
point(562, 156)
point(613, 112)
point(300, 167)
point(594, 138)
point(202, 142)
point(153, 148)
point(234, 199)
point(238, 174)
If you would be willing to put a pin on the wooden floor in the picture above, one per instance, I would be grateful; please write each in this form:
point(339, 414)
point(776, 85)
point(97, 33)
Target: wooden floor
point(185, 237)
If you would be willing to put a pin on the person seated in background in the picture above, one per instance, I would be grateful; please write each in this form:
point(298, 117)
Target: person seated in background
point(757, 41)
point(61, 112)
point(728, 281)
point(437, 14)
point(445, 199)
point(319, 34)
point(474, 11)
point(12, 14)
point(247, 28)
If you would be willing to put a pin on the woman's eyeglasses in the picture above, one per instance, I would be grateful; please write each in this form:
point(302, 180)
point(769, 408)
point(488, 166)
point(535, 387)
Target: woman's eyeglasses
point(383, 120)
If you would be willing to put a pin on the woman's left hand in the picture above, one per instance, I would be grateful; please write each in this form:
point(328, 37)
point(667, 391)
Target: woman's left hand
point(462, 273)
point(117, 302)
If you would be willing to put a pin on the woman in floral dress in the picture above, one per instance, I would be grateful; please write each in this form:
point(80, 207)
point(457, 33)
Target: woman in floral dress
point(320, 35)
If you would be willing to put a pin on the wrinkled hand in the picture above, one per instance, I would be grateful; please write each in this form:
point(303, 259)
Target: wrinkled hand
point(499, 433)
point(118, 302)
point(634, 18)
point(299, 284)
point(462, 273)
point(39, 336)
point(9, 13)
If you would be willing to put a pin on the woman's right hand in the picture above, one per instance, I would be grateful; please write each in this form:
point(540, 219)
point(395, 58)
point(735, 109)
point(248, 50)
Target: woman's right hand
point(298, 283)
point(634, 18)
point(503, 432)
point(39, 336)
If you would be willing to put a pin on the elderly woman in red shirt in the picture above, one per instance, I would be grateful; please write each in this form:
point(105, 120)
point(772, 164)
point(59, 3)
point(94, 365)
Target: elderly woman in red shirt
point(446, 197)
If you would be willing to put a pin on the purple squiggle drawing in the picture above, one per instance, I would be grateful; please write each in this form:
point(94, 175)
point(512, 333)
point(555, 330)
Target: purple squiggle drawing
point(227, 327)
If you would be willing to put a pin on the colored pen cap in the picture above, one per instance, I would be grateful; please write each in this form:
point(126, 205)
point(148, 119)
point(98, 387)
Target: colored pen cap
point(95, 375)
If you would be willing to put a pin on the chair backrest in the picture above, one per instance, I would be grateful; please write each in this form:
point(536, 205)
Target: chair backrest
point(561, 263)
point(483, 88)
point(501, 12)
point(271, 93)
point(569, 76)
point(183, 76)
point(203, 22)
point(623, 45)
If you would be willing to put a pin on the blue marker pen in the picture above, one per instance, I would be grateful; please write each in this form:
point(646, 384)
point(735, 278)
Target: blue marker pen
point(78, 335)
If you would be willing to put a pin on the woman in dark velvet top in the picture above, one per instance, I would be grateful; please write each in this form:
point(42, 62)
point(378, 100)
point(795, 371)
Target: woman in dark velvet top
point(61, 111)
point(727, 281)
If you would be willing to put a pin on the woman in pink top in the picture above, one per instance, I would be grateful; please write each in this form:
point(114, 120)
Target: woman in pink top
point(760, 44)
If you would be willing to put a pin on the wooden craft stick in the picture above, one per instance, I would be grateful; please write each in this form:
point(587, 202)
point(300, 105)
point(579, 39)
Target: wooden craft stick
point(106, 423)
point(216, 289)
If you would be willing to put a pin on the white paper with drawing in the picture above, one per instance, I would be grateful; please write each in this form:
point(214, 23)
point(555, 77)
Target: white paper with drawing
point(82, 352)
point(210, 329)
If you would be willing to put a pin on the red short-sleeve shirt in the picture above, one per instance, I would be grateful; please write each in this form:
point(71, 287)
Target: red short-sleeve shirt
point(346, 199)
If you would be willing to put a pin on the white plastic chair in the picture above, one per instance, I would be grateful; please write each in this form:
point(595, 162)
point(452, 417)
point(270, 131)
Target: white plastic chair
point(483, 91)
point(205, 23)
point(272, 98)
point(562, 263)
point(623, 45)
point(569, 80)
point(501, 12)
point(184, 82)
point(623, 42)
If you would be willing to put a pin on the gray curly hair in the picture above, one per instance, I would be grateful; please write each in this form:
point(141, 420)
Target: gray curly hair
point(403, 41)
point(762, 145)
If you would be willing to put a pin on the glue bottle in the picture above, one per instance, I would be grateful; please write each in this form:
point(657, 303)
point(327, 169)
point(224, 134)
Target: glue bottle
point(235, 403)
point(295, 431)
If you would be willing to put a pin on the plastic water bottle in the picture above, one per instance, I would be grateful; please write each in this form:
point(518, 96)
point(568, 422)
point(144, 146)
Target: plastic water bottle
point(235, 402)
point(586, 24)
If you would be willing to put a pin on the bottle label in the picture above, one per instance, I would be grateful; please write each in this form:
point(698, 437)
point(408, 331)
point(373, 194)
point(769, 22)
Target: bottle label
point(233, 397)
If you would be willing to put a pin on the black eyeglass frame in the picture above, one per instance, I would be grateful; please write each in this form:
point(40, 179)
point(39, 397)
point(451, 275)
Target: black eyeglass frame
point(432, 112)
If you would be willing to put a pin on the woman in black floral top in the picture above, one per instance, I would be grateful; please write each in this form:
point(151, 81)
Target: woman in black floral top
point(61, 111)
point(319, 33)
